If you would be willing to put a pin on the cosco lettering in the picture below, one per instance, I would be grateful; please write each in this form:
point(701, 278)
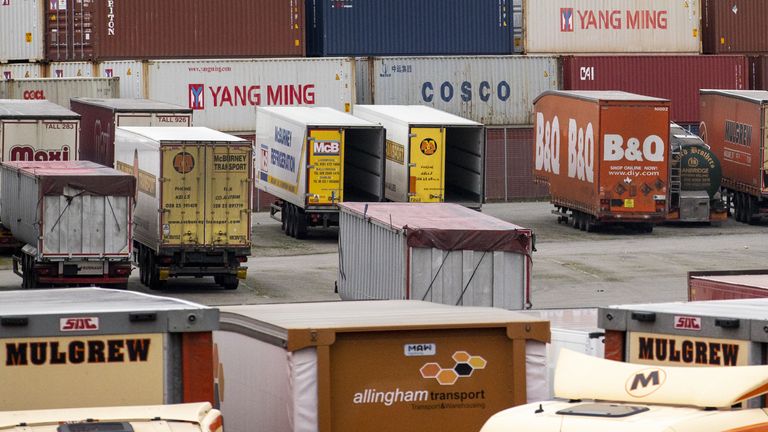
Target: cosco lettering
point(447, 92)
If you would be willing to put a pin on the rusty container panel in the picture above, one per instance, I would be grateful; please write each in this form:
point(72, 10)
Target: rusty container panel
point(734, 26)
point(758, 72)
point(509, 165)
point(727, 285)
point(140, 29)
point(683, 77)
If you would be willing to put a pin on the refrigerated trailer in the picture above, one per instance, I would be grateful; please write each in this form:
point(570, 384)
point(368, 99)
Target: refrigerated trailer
point(312, 159)
point(193, 207)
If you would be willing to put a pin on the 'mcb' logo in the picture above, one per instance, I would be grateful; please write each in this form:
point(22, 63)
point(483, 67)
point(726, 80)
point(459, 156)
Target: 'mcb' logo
point(326, 147)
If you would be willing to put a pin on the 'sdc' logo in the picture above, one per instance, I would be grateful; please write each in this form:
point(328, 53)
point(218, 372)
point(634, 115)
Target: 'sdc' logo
point(428, 146)
point(196, 96)
point(566, 19)
point(645, 382)
point(183, 163)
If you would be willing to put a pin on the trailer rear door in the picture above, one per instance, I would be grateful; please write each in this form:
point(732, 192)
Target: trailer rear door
point(427, 164)
point(183, 200)
point(228, 191)
point(325, 181)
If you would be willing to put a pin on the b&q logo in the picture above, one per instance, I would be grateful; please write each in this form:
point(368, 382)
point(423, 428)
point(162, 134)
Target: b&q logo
point(428, 146)
point(645, 382)
point(196, 96)
point(465, 365)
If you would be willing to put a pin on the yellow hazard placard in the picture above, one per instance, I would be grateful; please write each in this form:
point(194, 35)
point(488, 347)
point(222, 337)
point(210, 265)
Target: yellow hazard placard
point(427, 165)
point(326, 172)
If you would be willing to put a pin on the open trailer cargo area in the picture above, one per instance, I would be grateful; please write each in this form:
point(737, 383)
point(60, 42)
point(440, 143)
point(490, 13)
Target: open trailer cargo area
point(439, 252)
point(727, 284)
point(375, 366)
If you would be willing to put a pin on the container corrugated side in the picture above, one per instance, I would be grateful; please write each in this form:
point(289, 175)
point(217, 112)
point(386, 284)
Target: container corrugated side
point(490, 90)
point(224, 93)
point(72, 70)
point(59, 90)
point(734, 26)
point(626, 26)
point(133, 83)
point(22, 26)
point(21, 70)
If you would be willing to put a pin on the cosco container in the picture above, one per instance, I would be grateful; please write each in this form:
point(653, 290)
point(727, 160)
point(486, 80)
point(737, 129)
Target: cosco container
point(683, 77)
point(627, 26)
point(100, 117)
point(105, 347)
point(140, 29)
point(59, 90)
point(224, 93)
point(11, 71)
point(509, 165)
point(727, 284)
point(22, 25)
point(445, 253)
point(404, 27)
point(490, 90)
point(375, 365)
point(734, 26)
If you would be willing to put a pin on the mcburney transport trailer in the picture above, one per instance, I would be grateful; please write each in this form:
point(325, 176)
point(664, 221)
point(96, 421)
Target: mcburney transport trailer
point(312, 159)
point(76, 219)
point(603, 155)
point(603, 395)
point(193, 211)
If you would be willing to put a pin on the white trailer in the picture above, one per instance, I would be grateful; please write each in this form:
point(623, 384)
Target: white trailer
point(312, 159)
point(432, 156)
point(76, 220)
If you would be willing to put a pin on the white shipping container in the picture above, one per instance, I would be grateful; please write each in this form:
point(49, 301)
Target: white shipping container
point(59, 90)
point(493, 90)
point(624, 26)
point(72, 70)
point(224, 92)
point(21, 24)
point(132, 77)
point(21, 70)
point(443, 253)
point(37, 130)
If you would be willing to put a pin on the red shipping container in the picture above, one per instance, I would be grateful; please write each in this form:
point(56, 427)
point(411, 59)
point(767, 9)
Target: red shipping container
point(727, 285)
point(758, 72)
point(509, 165)
point(142, 29)
point(677, 78)
point(732, 27)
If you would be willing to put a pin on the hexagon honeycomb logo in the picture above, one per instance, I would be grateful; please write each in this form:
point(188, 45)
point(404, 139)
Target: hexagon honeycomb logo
point(465, 365)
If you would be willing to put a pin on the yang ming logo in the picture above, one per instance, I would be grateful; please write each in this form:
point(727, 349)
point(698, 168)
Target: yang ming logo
point(566, 19)
point(196, 96)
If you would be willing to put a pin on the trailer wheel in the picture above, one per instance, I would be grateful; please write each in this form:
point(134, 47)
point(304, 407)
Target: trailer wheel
point(154, 281)
point(590, 223)
point(29, 281)
point(301, 224)
point(753, 208)
point(283, 218)
point(575, 219)
point(228, 282)
point(142, 265)
point(289, 219)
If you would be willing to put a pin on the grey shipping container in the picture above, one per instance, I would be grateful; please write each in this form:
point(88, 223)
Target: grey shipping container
point(59, 90)
point(405, 27)
point(439, 252)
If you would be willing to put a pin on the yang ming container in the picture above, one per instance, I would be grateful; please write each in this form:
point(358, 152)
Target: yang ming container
point(443, 253)
point(105, 347)
point(683, 77)
point(140, 29)
point(727, 284)
point(405, 27)
point(59, 90)
point(624, 26)
point(491, 90)
point(375, 366)
point(731, 27)
point(22, 25)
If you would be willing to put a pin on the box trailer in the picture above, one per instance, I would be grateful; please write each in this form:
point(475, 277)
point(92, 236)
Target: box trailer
point(193, 206)
point(100, 117)
point(733, 124)
point(312, 159)
point(374, 365)
point(439, 252)
point(76, 219)
point(604, 157)
point(59, 90)
point(93, 347)
point(432, 156)
point(727, 284)
point(596, 394)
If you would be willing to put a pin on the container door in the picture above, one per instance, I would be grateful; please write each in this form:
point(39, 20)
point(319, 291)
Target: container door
point(183, 174)
point(427, 165)
point(228, 195)
point(325, 180)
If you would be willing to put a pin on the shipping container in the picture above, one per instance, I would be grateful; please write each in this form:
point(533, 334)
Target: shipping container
point(313, 159)
point(37, 130)
point(432, 156)
point(132, 74)
point(59, 90)
point(490, 90)
point(733, 123)
point(141, 29)
point(193, 202)
point(444, 253)
point(628, 26)
point(683, 77)
point(731, 27)
point(21, 21)
point(104, 348)
point(604, 156)
point(727, 284)
point(100, 117)
point(223, 93)
point(374, 366)
point(509, 165)
point(72, 70)
point(402, 27)
point(11, 71)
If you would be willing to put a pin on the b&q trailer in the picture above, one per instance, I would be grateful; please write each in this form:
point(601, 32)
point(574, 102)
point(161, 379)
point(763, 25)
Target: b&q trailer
point(312, 159)
point(193, 202)
point(100, 117)
point(733, 123)
point(76, 218)
point(375, 365)
point(93, 347)
point(604, 156)
point(432, 156)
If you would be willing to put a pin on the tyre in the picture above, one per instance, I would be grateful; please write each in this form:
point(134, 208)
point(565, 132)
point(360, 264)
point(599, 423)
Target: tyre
point(301, 224)
point(575, 219)
point(154, 281)
point(739, 204)
point(228, 282)
point(753, 208)
point(143, 266)
point(583, 221)
point(591, 224)
point(283, 217)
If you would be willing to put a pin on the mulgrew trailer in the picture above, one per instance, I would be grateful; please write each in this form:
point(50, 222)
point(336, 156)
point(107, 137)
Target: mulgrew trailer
point(76, 219)
point(604, 156)
point(193, 207)
point(312, 159)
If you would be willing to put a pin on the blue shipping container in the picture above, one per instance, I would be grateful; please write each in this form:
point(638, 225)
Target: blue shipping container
point(413, 27)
